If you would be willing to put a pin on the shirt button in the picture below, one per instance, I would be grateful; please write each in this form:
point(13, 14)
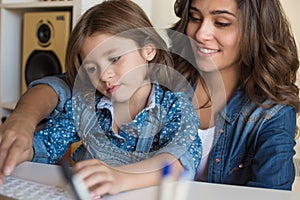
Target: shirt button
point(218, 160)
point(241, 166)
point(121, 140)
point(192, 137)
point(222, 131)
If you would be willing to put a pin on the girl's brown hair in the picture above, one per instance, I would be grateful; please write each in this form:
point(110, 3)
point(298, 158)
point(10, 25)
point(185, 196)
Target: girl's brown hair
point(116, 17)
point(269, 59)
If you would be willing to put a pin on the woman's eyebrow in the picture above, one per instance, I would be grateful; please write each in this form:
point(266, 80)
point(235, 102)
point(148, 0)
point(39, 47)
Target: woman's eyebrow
point(214, 12)
point(195, 9)
point(218, 12)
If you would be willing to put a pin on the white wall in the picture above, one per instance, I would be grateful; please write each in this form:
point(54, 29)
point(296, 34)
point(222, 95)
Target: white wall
point(146, 5)
point(292, 8)
point(160, 12)
point(163, 15)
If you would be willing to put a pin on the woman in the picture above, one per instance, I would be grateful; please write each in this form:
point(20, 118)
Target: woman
point(249, 47)
point(241, 58)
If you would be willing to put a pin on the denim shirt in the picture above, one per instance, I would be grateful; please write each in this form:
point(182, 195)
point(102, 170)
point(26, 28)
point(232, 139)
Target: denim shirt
point(168, 125)
point(62, 89)
point(253, 146)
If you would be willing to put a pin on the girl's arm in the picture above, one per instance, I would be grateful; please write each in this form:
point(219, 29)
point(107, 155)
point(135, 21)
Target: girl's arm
point(102, 179)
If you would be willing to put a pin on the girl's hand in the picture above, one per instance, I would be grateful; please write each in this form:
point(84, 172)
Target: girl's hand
point(100, 178)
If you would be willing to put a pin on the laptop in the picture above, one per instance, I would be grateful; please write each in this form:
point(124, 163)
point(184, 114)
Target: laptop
point(39, 181)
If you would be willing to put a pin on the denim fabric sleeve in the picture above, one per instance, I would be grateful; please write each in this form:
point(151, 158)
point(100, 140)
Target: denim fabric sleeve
point(51, 143)
point(182, 125)
point(62, 89)
point(40, 151)
point(273, 163)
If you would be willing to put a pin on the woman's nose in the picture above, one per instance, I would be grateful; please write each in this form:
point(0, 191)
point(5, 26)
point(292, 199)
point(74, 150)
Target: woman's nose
point(204, 32)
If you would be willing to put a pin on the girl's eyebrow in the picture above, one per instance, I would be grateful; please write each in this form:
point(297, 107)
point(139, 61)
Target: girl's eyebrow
point(106, 53)
point(109, 51)
point(214, 12)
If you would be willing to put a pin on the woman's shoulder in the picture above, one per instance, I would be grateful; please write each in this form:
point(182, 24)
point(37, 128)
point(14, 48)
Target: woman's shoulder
point(269, 112)
point(241, 104)
point(273, 108)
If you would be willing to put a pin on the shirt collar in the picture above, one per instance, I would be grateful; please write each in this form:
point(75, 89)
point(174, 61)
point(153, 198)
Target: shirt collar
point(235, 105)
point(106, 102)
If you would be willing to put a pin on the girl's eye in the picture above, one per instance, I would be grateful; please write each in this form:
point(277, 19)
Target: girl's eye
point(91, 69)
point(115, 59)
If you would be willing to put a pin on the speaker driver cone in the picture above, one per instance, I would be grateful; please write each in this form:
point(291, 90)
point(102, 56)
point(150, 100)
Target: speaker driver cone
point(41, 64)
point(44, 33)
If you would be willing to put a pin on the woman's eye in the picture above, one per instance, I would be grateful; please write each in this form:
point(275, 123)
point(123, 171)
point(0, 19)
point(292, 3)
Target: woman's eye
point(222, 24)
point(195, 18)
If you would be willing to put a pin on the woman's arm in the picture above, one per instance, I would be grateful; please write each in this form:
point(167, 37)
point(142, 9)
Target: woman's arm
point(45, 96)
point(273, 165)
point(16, 133)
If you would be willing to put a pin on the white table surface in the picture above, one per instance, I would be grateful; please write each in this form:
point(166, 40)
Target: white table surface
point(51, 174)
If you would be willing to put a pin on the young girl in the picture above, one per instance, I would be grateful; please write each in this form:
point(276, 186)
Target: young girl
point(123, 118)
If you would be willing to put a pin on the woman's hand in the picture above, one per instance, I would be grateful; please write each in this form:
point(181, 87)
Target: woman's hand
point(16, 138)
point(16, 133)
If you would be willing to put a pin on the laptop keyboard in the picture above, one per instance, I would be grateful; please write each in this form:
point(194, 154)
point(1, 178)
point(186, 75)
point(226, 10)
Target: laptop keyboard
point(17, 188)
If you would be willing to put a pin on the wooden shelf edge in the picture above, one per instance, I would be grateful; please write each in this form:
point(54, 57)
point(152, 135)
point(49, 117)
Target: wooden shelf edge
point(40, 4)
point(9, 105)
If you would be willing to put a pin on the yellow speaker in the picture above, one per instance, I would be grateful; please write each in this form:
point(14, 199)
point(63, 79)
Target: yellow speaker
point(45, 37)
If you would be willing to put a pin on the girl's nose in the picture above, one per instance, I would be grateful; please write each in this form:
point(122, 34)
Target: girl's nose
point(107, 74)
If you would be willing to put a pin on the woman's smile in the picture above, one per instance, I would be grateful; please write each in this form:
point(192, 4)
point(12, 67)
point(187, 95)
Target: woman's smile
point(206, 52)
